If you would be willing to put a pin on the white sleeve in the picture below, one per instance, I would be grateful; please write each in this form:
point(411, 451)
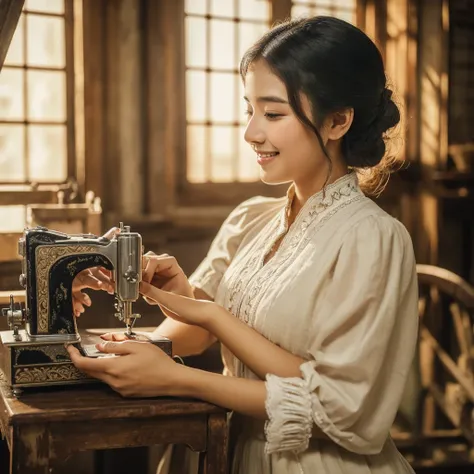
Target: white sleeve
point(245, 217)
point(352, 384)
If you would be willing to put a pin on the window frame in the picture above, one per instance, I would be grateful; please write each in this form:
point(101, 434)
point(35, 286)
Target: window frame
point(226, 194)
point(21, 193)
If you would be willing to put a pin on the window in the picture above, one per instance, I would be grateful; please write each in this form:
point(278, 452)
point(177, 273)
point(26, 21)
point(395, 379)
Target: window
point(36, 104)
point(344, 9)
point(217, 33)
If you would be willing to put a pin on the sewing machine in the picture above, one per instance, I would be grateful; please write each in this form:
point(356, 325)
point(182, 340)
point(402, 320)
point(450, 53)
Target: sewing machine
point(36, 355)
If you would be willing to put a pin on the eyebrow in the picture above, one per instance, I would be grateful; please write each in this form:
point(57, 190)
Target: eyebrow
point(269, 98)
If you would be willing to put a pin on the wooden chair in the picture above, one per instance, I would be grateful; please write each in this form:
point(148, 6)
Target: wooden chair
point(440, 429)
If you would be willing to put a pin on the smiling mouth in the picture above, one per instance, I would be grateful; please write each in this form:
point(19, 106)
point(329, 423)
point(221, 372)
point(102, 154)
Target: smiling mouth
point(263, 158)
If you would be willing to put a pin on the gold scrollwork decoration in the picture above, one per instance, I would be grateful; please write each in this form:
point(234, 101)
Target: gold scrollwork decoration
point(52, 351)
point(48, 373)
point(46, 256)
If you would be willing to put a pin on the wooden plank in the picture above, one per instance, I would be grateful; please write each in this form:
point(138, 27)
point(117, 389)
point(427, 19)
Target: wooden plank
point(130, 123)
point(464, 381)
point(217, 436)
point(70, 88)
point(93, 14)
point(111, 105)
point(281, 10)
point(67, 438)
point(27, 196)
point(97, 402)
point(155, 102)
point(10, 11)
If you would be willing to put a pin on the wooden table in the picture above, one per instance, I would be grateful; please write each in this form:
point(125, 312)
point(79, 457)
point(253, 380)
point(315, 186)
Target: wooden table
point(44, 427)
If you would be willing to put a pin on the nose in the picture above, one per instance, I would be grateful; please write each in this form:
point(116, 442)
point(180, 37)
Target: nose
point(254, 133)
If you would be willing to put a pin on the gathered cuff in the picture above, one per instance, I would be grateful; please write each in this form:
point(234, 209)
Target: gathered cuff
point(288, 407)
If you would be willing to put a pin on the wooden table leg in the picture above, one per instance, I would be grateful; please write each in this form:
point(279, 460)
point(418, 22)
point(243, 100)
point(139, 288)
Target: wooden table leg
point(4, 455)
point(217, 444)
point(30, 450)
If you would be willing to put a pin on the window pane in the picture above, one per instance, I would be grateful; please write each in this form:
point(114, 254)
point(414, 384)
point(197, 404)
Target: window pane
point(12, 152)
point(196, 42)
point(249, 33)
point(249, 170)
point(12, 218)
point(329, 3)
point(222, 45)
point(195, 6)
point(45, 41)
point(11, 94)
point(222, 8)
point(46, 6)
point(196, 151)
point(47, 149)
point(222, 97)
point(254, 10)
point(301, 11)
point(46, 95)
point(196, 96)
point(223, 154)
point(349, 16)
point(16, 51)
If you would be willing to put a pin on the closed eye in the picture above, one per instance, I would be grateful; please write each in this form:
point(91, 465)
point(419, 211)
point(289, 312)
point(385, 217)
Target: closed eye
point(271, 116)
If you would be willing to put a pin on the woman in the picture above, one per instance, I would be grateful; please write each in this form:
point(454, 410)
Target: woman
point(313, 296)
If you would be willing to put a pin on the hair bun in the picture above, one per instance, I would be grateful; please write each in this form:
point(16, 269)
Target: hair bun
point(368, 148)
point(388, 114)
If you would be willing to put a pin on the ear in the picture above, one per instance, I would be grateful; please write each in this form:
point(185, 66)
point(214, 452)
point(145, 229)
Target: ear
point(338, 123)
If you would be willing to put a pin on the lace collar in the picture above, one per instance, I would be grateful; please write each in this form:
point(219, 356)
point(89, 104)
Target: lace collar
point(320, 201)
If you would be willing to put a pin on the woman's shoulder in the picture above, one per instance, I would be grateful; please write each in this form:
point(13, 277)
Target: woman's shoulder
point(371, 224)
point(256, 208)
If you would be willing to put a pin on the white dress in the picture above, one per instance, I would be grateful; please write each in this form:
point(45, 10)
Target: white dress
point(340, 292)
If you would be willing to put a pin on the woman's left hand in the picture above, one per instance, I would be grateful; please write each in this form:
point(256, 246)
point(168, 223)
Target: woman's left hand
point(139, 369)
point(181, 308)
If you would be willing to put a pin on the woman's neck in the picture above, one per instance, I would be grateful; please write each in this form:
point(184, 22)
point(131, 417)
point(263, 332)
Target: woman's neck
point(303, 191)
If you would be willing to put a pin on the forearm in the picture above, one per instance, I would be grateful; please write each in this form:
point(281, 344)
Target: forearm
point(259, 354)
point(241, 395)
point(186, 340)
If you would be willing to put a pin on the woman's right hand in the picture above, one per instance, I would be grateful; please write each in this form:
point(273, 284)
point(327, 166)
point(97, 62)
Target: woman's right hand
point(164, 272)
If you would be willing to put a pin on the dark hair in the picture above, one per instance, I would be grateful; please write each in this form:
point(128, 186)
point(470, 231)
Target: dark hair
point(336, 66)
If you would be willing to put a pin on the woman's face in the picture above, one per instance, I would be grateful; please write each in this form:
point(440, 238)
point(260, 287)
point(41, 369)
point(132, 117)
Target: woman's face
point(286, 149)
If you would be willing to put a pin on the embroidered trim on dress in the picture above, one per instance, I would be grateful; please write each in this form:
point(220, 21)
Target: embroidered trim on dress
point(317, 210)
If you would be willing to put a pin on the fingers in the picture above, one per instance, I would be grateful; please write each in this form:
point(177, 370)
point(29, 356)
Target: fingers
point(77, 307)
point(113, 336)
point(80, 300)
point(119, 348)
point(104, 276)
point(164, 265)
point(86, 279)
point(150, 301)
point(95, 367)
point(111, 233)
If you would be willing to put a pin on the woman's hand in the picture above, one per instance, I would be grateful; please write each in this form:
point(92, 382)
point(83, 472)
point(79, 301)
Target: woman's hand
point(139, 369)
point(163, 272)
point(96, 278)
point(182, 308)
